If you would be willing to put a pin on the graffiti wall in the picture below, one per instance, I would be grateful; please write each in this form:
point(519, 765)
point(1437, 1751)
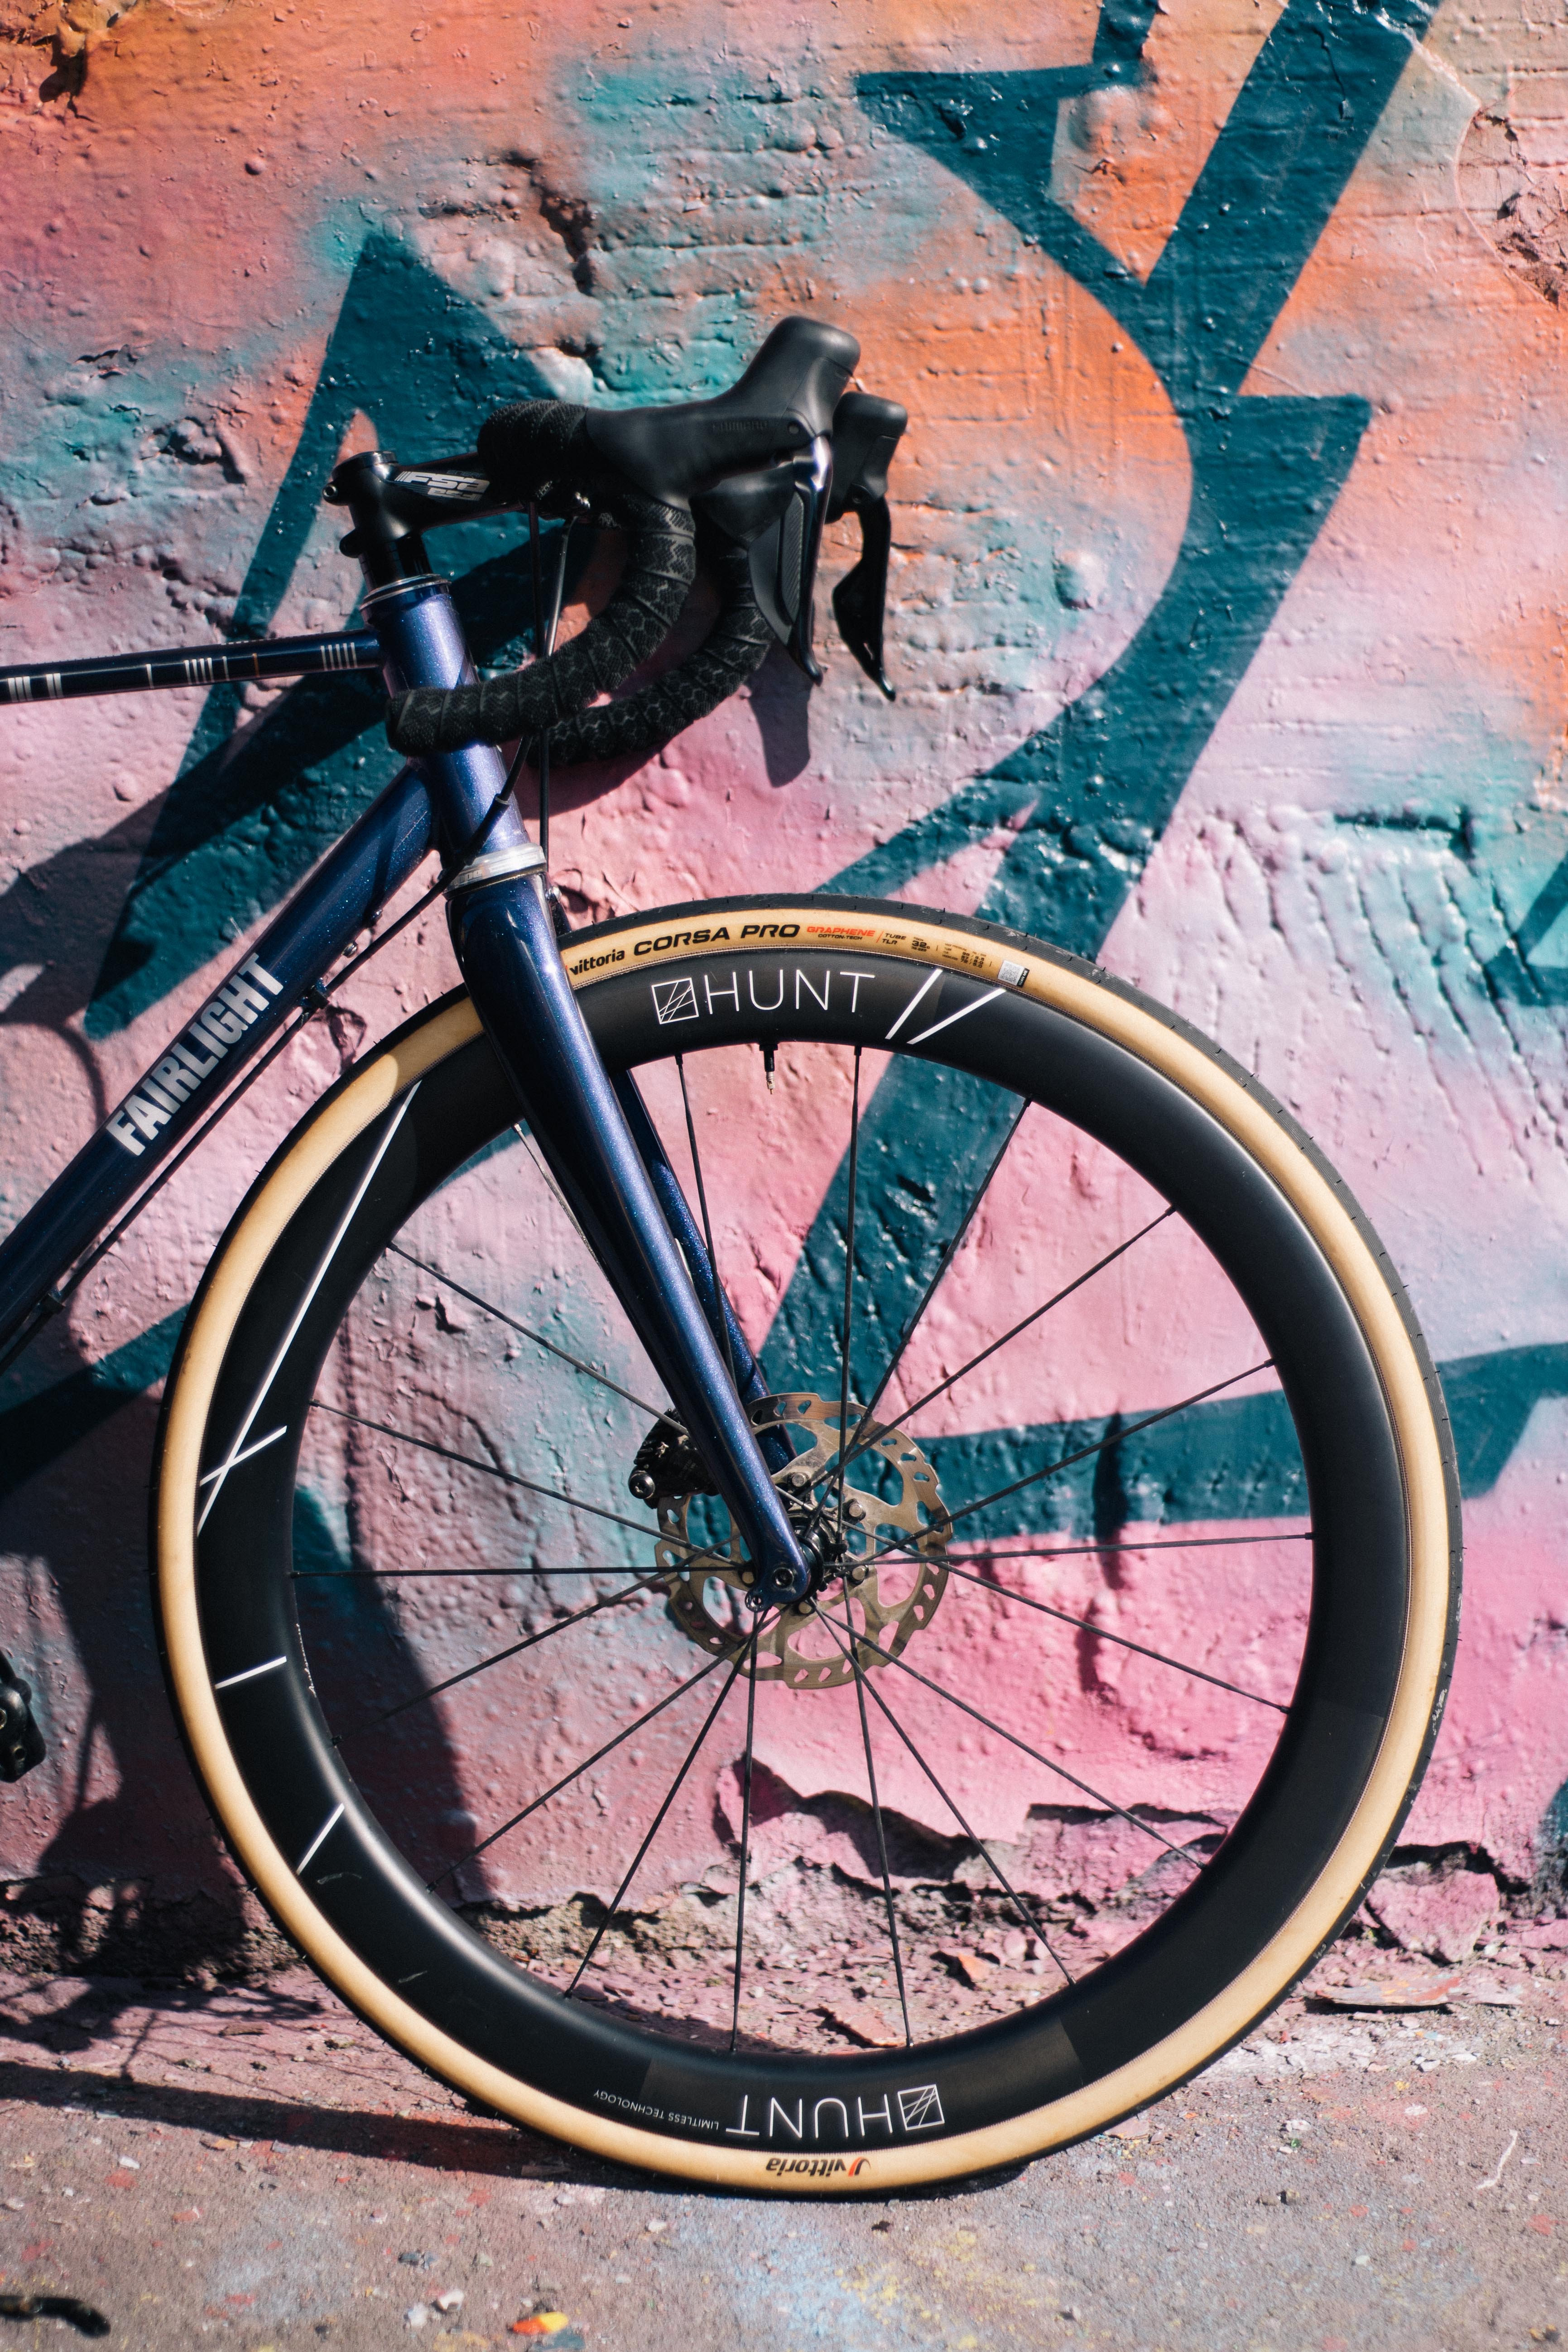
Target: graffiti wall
point(1226, 625)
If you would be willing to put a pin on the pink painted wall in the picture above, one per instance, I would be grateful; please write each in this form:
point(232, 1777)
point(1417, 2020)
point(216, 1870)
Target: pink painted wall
point(240, 238)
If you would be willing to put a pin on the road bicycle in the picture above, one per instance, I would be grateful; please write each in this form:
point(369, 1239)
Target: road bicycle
point(796, 1538)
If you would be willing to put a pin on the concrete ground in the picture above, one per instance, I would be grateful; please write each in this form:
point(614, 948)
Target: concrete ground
point(250, 2166)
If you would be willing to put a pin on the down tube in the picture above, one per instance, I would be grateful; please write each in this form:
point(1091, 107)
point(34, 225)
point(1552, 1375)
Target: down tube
point(346, 891)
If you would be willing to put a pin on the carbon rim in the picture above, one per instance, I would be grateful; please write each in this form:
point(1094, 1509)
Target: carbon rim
point(987, 2081)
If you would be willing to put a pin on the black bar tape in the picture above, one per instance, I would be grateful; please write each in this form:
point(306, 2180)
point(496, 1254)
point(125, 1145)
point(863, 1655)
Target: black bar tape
point(733, 649)
point(538, 453)
point(661, 568)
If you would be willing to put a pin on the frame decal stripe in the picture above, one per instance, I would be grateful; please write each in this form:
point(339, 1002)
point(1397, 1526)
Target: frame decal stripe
point(268, 1667)
point(320, 1840)
point(345, 1221)
point(962, 1014)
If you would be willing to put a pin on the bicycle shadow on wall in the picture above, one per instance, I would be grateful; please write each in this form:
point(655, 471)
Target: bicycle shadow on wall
point(254, 805)
point(130, 1880)
point(259, 798)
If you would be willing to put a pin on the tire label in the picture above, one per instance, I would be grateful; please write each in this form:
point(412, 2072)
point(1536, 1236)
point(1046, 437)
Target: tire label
point(759, 988)
point(894, 2114)
point(819, 2167)
point(820, 2124)
point(977, 957)
point(667, 940)
point(644, 2112)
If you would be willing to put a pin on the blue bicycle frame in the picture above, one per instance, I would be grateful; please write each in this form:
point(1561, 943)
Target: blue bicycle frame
point(504, 938)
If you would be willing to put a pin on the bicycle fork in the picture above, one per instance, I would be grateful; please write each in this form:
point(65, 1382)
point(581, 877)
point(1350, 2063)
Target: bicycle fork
point(507, 951)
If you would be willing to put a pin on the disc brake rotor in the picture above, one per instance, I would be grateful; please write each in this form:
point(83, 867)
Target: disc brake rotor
point(885, 1564)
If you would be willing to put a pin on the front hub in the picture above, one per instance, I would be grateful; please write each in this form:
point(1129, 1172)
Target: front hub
point(879, 1566)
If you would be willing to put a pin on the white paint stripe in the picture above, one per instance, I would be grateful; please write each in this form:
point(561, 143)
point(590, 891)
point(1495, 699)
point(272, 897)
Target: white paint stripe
point(928, 983)
point(319, 1840)
point(962, 1014)
point(259, 1447)
point(344, 1222)
point(250, 1673)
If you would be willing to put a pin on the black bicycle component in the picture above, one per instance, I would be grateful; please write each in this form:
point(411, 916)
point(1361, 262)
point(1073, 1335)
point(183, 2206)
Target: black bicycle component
point(740, 531)
point(860, 599)
point(667, 1463)
point(734, 648)
point(661, 568)
point(865, 433)
point(782, 403)
point(785, 551)
point(391, 507)
point(21, 1741)
point(200, 665)
point(541, 451)
point(386, 539)
point(1219, 1867)
point(639, 469)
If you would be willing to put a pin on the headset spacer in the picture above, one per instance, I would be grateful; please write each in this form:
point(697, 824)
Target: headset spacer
point(497, 865)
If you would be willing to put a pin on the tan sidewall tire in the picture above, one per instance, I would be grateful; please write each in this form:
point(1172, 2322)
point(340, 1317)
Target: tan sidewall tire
point(1075, 991)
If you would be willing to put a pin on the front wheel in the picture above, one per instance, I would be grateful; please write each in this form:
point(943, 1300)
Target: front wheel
point(1124, 1469)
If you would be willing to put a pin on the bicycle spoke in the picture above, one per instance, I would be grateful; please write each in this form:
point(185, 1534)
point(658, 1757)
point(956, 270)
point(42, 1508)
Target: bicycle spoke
point(1183, 1852)
point(576, 1772)
point(876, 1820)
point(514, 1649)
point(487, 1306)
point(933, 1285)
point(718, 1314)
point(1112, 1437)
point(392, 1575)
point(219, 1472)
point(849, 1305)
point(1172, 1543)
point(745, 1838)
point(1099, 1267)
point(547, 1179)
point(1027, 1916)
point(895, 1546)
point(486, 1469)
point(1101, 1633)
point(695, 1554)
point(671, 1795)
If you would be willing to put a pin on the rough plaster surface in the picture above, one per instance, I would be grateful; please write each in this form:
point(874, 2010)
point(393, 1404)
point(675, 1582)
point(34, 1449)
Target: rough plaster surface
point(1228, 634)
point(250, 2168)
